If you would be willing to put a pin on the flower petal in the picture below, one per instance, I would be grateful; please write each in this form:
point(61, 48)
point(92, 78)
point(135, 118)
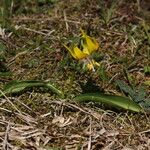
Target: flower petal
point(70, 50)
point(88, 42)
point(79, 54)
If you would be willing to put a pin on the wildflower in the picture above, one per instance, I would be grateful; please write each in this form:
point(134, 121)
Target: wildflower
point(89, 43)
point(84, 48)
point(76, 52)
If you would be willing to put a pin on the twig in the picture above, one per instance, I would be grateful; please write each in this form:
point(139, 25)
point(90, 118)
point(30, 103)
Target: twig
point(5, 142)
point(46, 19)
point(65, 19)
point(5, 110)
point(38, 32)
point(146, 131)
point(24, 105)
point(90, 137)
point(10, 102)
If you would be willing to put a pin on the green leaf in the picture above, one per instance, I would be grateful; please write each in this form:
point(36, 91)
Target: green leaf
point(112, 100)
point(18, 86)
point(137, 95)
point(126, 88)
point(102, 73)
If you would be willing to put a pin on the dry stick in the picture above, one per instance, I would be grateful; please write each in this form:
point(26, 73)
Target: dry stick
point(45, 115)
point(65, 19)
point(90, 138)
point(46, 19)
point(11, 103)
point(74, 106)
point(32, 30)
point(5, 142)
point(27, 118)
point(39, 32)
point(146, 131)
point(9, 111)
point(112, 78)
point(24, 105)
point(82, 110)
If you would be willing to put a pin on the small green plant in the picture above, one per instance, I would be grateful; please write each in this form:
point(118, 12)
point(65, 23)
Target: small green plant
point(107, 14)
point(82, 48)
point(112, 100)
point(137, 95)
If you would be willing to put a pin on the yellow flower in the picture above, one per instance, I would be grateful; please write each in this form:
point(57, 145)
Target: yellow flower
point(90, 43)
point(76, 52)
point(84, 48)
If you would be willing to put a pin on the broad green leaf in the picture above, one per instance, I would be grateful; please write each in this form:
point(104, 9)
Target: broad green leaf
point(18, 86)
point(112, 100)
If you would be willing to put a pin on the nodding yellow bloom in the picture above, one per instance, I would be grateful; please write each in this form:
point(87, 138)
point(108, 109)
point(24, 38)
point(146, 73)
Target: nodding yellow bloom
point(84, 48)
point(76, 52)
point(90, 43)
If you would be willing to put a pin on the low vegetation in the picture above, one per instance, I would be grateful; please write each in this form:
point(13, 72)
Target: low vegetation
point(57, 91)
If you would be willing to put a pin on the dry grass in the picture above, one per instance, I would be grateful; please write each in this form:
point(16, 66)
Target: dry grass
point(38, 120)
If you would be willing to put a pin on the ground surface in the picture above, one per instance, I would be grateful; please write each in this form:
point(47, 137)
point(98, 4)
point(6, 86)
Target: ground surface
point(37, 119)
